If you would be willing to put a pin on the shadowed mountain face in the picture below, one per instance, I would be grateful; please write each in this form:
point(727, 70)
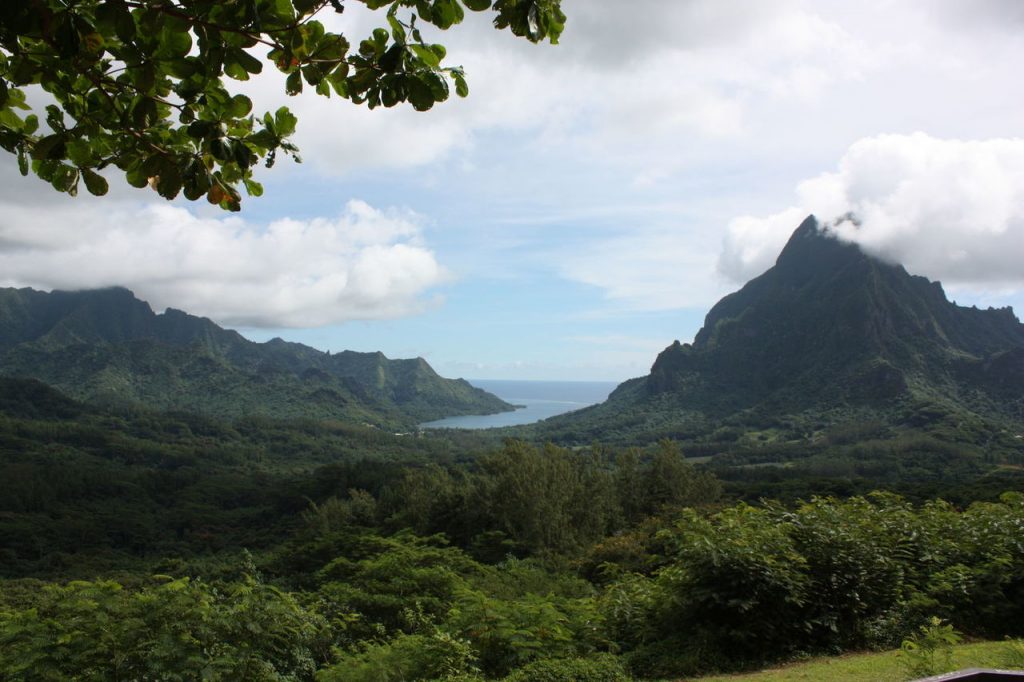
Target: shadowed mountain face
point(108, 346)
point(831, 328)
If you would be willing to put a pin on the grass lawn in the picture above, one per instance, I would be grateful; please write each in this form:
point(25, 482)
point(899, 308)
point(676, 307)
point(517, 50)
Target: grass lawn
point(873, 667)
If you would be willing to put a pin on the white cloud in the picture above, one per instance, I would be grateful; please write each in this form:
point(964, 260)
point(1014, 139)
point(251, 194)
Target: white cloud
point(635, 83)
point(363, 264)
point(952, 210)
point(649, 269)
point(751, 244)
point(1007, 15)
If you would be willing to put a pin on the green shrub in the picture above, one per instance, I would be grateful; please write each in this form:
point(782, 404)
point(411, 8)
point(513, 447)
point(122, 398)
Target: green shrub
point(401, 574)
point(854, 551)
point(508, 634)
point(174, 630)
point(930, 650)
point(407, 657)
point(739, 579)
point(596, 668)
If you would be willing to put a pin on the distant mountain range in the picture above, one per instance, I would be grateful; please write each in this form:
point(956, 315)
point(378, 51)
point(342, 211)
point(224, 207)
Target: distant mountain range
point(106, 346)
point(829, 334)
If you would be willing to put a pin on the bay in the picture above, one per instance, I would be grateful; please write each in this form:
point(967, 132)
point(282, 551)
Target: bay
point(539, 400)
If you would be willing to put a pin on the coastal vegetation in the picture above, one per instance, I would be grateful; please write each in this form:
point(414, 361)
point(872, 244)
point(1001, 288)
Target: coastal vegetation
point(153, 544)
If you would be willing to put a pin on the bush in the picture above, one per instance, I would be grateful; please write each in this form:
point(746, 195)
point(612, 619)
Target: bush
point(508, 634)
point(930, 651)
point(407, 657)
point(596, 668)
point(739, 580)
point(177, 629)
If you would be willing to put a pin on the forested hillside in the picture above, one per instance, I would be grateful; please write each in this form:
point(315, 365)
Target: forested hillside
point(141, 544)
point(828, 339)
point(108, 347)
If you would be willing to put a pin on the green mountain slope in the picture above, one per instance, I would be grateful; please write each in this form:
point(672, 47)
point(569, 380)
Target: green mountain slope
point(831, 334)
point(109, 347)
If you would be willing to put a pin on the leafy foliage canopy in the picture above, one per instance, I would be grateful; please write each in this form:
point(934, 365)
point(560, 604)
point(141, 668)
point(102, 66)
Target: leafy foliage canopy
point(144, 85)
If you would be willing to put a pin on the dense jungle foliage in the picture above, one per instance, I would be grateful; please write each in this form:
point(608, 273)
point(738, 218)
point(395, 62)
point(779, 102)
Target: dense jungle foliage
point(145, 545)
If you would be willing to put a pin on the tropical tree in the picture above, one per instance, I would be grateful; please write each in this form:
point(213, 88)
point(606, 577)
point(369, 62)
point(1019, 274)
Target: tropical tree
point(145, 86)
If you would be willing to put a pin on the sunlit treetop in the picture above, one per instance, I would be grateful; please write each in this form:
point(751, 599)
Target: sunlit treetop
point(145, 85)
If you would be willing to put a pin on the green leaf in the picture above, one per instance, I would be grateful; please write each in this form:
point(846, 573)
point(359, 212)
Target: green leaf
point(397, 30)
point(305, 6)
point(169, 182)
point(94, 182)
point(447, 13)
point(236, 71)
point(262, 140)
point(293, 84)
point(240, 106)
point(203, 129)
point(426, 55)
point(243, 157)
point(79, 152)
point(135, 176)
point(124, 23)
point(196, 180)
point(17, 100)
point(438, 86)
point(66, 37)
point(49, 147)
point(312, 74)
point(247, 61)
point(284, 122)
point(221, 149)
point(10, 120)
point(65, 179)
point(461, 87)
point(182, 68)
point(420, 95)
point(477, 5)
point(337, 79)
point(174, 42)
point(392, 58)
point(54, 118)
point(254, 188)
point(144, 77)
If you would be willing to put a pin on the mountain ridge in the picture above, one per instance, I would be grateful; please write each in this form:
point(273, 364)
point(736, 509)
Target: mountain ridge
point(108, 346)
point(828, 327)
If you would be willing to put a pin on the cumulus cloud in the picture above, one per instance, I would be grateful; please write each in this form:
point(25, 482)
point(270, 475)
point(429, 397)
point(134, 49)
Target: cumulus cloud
point(752, 243)
point(697, 67)
point(952, 210)
point(363, 264)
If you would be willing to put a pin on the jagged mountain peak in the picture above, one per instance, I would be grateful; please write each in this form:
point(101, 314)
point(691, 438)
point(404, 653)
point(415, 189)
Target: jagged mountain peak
point(830, 327)
point(811, 242)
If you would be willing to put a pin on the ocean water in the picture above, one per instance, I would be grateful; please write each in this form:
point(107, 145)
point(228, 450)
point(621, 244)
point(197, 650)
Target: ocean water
point(540, 400)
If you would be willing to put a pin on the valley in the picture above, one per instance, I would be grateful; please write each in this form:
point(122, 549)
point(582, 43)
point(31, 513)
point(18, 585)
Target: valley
point(801, 479)
point(511, 340)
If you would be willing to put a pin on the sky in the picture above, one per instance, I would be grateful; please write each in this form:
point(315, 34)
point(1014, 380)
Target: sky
point(590, 201)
